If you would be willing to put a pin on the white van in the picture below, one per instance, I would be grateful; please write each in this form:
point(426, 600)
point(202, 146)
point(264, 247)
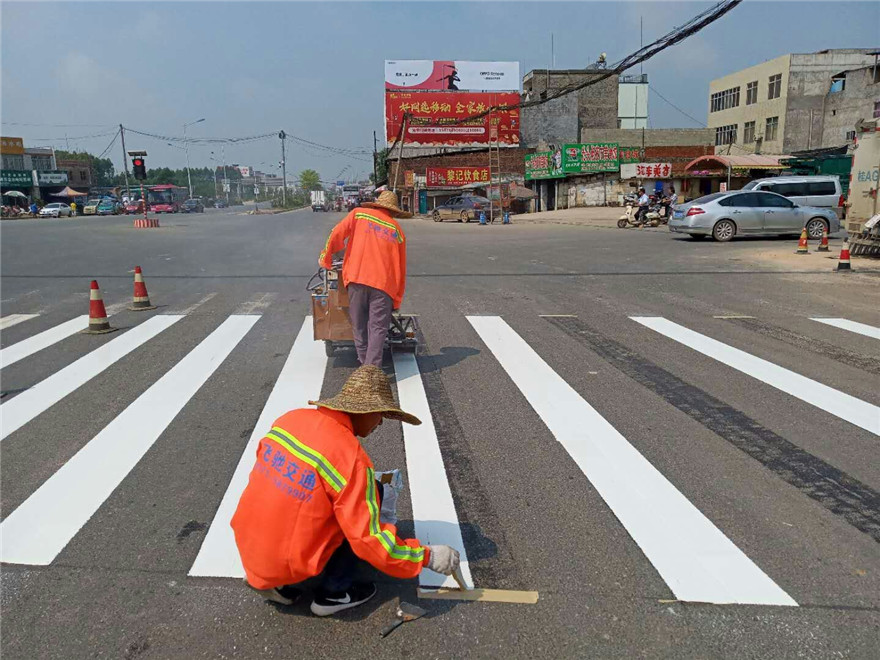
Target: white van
point(823, 192)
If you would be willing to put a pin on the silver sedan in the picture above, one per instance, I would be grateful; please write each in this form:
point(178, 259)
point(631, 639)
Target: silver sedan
point(750, 213)
point(55, 210)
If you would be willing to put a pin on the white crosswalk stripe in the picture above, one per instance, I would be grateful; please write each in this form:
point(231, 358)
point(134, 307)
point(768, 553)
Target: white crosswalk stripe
point(15, 319)
point(695, 558)
point(46, 521)
point(17, 412)
point(434, 515)
point(300, 380)
point(852, 326)
point(38, 342)
point(848, 408)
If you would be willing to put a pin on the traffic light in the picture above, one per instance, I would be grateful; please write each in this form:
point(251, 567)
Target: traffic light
point(140, 169)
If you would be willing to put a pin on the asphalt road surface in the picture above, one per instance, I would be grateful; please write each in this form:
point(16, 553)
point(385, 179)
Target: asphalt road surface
point(653, 433)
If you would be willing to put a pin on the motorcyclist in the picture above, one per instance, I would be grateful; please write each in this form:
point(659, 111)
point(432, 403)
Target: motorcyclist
point(644, 202)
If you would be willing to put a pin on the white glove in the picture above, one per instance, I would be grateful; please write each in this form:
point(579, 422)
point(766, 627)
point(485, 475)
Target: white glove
point(443, 559)
point(392, 484)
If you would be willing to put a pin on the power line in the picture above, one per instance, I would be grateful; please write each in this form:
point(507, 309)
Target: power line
point(205, 140)
point(74, 137)
point(17, 123)
point(109, 146)
point(693, 119)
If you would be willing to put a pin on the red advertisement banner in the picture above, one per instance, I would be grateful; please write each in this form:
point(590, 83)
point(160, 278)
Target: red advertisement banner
point(434, 118)
point(440, 177)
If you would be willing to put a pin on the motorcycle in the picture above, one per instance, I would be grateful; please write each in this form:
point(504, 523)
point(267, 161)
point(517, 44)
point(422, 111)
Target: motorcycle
point(651, 218)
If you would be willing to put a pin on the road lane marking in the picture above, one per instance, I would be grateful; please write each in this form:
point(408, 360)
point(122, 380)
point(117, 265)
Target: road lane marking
point(195, 305)
point(38, 530)
point(694, 557)
point(846, 407)
point(299, 381)
point(15, 319)
point(852, 326)
point(38, 342)
point(258, 304)
point(434, 515)
point(18, 411)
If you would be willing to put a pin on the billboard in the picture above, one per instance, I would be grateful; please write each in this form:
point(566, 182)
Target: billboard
point(11, 145)
point(434, 118)
point(245, 171)
point(441, 177)
point(588, 158)
point(646, 171)
point(544, 165)
point(629, 155)
point(452, 75)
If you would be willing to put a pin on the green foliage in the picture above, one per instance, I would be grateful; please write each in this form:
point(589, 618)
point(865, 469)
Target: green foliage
point(310, 180)
point(381, 166)
point(103, 167)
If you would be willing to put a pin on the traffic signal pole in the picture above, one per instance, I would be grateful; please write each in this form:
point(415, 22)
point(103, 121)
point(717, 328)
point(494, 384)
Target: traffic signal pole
point(283, 137)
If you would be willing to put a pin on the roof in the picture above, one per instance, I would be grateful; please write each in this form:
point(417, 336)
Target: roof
point(744, 162)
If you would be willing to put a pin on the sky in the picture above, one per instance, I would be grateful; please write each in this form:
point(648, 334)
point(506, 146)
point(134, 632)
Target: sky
point(315, 70)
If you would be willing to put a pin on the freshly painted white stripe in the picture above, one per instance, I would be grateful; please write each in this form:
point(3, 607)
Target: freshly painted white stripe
point(46, 522)
point(299, 381)
point(15, 319)
point(848, 408)
point(852, 326)
point(695, 558)
point(434, 515)
point(18, 411)
point(38, 342)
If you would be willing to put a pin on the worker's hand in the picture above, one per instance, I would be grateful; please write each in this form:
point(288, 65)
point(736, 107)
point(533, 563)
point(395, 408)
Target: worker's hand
point(443, 559)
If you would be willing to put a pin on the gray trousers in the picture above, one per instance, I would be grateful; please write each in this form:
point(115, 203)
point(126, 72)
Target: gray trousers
point(370, 312)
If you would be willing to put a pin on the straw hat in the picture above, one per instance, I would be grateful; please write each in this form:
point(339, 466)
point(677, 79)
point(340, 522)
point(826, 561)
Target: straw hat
point(366, 391)
point(387, 201)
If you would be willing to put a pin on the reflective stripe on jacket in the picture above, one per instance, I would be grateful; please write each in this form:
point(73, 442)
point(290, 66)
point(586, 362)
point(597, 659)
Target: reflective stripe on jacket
point(375, 254)
point(311, 488)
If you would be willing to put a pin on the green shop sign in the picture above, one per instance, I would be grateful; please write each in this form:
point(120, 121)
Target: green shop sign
point(630, 155)
point(16, 178)
point(589, 158)
point(544, 165)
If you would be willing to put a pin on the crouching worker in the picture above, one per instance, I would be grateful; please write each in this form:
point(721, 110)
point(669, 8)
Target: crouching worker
point(312, 504)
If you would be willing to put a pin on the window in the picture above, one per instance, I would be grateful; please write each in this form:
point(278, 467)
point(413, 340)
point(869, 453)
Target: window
point(749, 132)
point(838, 84)
point(821, 188)
point(774, 88)
point(876, 109)
point(850, 136)
point(725, 134)
point(729, 98)
point(771, 130)
point(788, 189)
point(742, 199)
point(775, 201)
point(752, 93)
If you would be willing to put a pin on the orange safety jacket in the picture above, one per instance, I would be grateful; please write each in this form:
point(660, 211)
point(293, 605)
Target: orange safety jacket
point(311, 488)
point(375, 254)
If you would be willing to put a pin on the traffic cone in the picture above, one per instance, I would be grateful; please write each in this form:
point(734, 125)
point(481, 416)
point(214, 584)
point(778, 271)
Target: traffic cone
point(98, 324)
point(802, 244)
point(141, 300)
point(823, 245)
point(843, 261)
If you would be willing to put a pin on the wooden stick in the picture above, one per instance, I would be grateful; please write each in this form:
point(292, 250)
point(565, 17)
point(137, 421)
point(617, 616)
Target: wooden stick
point(484, 595)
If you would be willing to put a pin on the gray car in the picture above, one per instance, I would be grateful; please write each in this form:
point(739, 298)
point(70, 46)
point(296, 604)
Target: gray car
point(750, 213)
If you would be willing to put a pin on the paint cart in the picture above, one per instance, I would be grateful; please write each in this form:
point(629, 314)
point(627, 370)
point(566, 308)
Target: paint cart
point(330, 321)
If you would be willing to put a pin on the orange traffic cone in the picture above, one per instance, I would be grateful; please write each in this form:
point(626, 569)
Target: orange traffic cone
point(141, 300)
point(823, 245)
point(98, 324)
point(843, 261)
point(802, 244)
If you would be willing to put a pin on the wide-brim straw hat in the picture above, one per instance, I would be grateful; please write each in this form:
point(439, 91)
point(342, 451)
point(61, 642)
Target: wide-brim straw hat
point(367, 390)
point(387, 201)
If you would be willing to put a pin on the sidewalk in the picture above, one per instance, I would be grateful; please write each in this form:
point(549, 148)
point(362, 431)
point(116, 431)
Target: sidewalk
point(588, 216)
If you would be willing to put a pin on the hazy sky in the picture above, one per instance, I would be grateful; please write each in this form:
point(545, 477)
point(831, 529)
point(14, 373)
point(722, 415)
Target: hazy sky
point(316, 69)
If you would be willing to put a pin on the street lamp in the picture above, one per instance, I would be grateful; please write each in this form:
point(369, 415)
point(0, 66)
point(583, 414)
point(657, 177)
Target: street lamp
point(186, 148)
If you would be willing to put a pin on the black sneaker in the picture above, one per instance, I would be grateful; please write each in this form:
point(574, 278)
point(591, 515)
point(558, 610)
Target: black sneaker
point(286, 595)
point(326, 603)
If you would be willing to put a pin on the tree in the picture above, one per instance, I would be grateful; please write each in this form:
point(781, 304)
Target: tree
point(310, 180)
point(103, 167)
point(381, 166)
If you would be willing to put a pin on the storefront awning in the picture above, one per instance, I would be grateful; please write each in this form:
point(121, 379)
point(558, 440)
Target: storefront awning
point(718, 162)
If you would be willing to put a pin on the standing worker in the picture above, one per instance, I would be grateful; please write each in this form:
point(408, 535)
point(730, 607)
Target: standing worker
point(73, 209)
point(312, 504)
point(374, 270)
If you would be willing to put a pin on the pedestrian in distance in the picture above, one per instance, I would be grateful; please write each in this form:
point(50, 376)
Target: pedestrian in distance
point(373, 270)
point(73, 209)
point(313, 505)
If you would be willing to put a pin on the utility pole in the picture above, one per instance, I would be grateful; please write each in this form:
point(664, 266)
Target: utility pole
point(375, 162)
point(225, 176)
point(125, 162)
point(283, 137)
point(186, 147)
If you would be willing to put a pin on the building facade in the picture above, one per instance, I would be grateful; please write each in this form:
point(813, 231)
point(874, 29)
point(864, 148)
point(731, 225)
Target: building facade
point(782, 106)
point(632, 101)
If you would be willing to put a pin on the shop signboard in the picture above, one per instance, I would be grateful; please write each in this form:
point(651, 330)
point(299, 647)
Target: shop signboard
point(544, 165)
point(646, 171)
point(590, 158)
point(440, 118)
point(409, 178)
point(16, 178)
point(441, 177)
point(629, 155)
point(52, 178)
point(11, 145)
point(452, 75)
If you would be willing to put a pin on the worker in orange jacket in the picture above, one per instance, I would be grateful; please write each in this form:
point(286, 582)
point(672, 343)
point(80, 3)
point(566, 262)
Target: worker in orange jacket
point(313, 505)
point(374, 270)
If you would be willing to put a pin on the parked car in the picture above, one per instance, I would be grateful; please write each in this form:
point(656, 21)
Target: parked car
point(91, 206)
point(55, 210)
point(462, 208)
point(221, 204)
point(724, 215)
point(192, 206)
point(107, 207)
point(824, 192)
